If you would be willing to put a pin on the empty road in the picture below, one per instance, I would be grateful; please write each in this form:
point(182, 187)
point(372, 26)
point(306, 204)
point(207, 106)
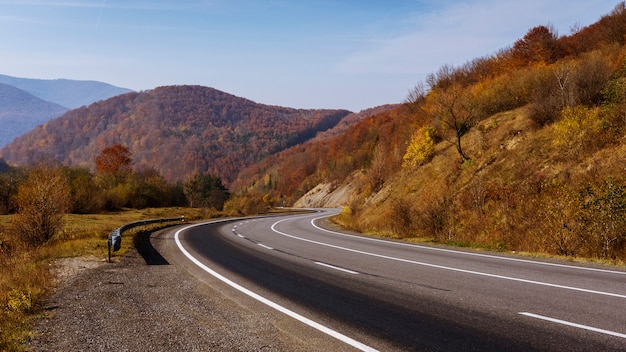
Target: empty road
point(365, 293)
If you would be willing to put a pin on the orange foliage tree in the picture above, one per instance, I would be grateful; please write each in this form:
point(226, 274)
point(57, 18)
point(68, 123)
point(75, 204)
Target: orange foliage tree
point(539, 45)
point(115, 159)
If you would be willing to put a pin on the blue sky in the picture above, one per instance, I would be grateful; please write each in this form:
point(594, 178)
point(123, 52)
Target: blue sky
point(351, 54)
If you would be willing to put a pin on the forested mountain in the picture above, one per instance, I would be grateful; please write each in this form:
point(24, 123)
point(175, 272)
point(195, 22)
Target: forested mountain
point(65, 92)
point(330, 157)
point(522, 150)
point(20, 112)
point(176, 130)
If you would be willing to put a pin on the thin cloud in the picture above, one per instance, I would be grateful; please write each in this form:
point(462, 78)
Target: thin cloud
point(460, 32)
point(29, 3)
point(128, 5)
point(21, 19)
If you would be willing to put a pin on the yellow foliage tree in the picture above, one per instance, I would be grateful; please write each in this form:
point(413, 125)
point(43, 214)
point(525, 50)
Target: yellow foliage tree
point(578, 128)
point(421, 148)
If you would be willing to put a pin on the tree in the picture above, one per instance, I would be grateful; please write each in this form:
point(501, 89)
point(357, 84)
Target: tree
point(455, 109)
point(150, 189)
point(603, 218)
point(115, 160)
point(205, 190)
point(614, 24)
point(539, 45)
point(86, 196)
point(9, 182)
point(41, 200)
point(421, 147)
point(4, 167)
point(568, 83)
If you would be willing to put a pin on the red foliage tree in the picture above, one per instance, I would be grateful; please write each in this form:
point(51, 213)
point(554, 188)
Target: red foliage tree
point(115, 159)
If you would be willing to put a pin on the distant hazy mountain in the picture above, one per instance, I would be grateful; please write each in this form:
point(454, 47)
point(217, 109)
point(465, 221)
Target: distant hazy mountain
point(176, 130)
point(65, 92)
point(20, 112)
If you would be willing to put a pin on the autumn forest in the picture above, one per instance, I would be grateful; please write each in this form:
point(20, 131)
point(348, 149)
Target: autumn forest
point(519, 151)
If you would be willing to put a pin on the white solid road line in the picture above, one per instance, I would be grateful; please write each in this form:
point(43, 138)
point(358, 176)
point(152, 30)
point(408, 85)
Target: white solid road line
point(479, 273)
point(341, 337)
point(563, 322)
point(465, 253)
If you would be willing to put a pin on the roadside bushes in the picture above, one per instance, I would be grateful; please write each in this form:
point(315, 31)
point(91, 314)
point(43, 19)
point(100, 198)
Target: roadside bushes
point(568, 83)
point(41, 200)
point(602, 218)
point(579, 131)
point(555, 218)
point(91, 193)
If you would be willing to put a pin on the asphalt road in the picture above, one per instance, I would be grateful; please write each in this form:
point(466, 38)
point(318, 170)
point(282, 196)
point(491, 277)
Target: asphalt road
point(372, 294)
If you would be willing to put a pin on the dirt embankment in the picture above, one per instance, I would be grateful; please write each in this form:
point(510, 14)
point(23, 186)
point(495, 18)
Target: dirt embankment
point(326, 195)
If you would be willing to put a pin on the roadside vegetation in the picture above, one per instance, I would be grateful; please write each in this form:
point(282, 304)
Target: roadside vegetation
point(26, 278)
point(53, 212)
point(519, 151)
point(528, 153)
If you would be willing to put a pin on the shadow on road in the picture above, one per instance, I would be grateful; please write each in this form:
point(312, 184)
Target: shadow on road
point(147, 251)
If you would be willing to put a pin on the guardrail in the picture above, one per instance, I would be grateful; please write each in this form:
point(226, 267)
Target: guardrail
point(115, 237)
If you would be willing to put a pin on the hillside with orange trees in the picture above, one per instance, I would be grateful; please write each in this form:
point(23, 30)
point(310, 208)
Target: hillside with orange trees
point(522, 150)
point(176, 130)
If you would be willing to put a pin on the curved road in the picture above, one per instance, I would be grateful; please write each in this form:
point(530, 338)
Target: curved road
point(371, 294)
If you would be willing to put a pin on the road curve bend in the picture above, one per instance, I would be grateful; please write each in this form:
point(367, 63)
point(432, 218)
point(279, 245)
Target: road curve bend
point(375, 294)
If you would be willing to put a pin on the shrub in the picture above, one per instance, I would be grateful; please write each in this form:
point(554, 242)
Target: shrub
point(42, 200)
point(19, 301)
point(403, 222)
point(421, 148)
point(546, 99)
point(603, 218)
point(578, 130)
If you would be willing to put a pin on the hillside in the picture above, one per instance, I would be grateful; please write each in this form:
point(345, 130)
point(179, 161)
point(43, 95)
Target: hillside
point(176, 130)
point(65, 92)
point(21, 112)
point(523, 151)
point(329, 158)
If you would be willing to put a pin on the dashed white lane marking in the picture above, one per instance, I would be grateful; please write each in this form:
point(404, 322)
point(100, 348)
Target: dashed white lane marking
point(580, 326)
point(459, 270)
point(337, 335)
point(318, 263)
point(336, 268)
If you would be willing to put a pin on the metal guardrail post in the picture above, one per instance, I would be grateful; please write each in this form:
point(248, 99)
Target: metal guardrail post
point(114, 242)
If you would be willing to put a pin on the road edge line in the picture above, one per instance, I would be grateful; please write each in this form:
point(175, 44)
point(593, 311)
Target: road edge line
point(337, 335)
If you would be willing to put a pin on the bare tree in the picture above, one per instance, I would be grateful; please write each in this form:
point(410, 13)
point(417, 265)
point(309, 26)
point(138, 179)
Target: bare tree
point(455, 109)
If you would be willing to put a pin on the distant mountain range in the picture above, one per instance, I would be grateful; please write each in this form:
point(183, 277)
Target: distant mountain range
point(20, 112)
point(176, 130)
point(26, 103)
point(69, 93)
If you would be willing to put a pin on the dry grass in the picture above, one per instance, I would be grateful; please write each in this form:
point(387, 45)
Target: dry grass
point(518, 193)
point(26, 277)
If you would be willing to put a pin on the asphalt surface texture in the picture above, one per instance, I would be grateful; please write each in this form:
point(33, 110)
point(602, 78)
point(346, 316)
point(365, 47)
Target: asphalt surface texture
point(144, 302)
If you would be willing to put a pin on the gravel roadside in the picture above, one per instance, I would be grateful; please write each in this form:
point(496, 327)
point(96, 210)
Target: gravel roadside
point(130, 305)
